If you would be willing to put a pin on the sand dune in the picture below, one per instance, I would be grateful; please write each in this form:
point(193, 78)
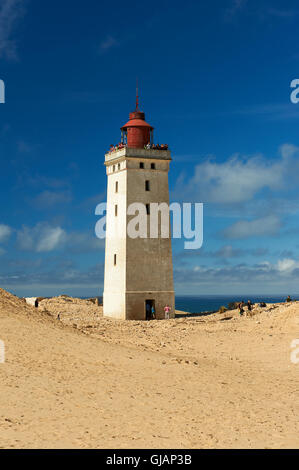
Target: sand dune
point(89, 382)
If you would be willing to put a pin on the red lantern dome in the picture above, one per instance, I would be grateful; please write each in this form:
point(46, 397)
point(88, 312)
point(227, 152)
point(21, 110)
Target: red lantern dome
point(137, 133)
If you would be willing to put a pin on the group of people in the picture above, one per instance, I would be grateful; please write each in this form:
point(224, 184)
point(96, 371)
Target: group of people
point(250, 305)
point(151, 312)
point(242, 304)
point(156, 146)
point(119, 146)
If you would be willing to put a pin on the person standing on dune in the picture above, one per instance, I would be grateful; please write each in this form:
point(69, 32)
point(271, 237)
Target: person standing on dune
point(153, 313)
point(241, 309)
point(167, 310)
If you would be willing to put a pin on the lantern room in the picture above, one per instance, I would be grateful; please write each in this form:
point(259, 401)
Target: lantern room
point(137, 133)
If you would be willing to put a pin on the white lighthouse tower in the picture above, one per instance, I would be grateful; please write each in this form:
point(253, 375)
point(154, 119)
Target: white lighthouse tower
point(138, 271)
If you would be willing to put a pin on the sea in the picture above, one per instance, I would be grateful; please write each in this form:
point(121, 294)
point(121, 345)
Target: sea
point(212, 303)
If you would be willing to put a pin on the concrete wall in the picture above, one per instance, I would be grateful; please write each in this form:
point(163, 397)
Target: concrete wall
point(115, 276)
point(135, 304)
point(144, 266)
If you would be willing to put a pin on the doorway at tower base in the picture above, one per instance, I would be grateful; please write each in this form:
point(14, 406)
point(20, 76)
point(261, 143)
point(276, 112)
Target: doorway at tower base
point(132, 305)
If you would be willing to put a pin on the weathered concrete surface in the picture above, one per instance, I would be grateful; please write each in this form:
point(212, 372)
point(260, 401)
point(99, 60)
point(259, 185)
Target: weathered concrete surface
point(143, 269)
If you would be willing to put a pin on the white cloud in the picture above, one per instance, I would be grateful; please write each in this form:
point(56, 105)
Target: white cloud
point(258, 278)
point(239, 179)
point(41, 238)
point(5, 232)
point(47, 198)
point(264, 226)
point(52, 239)
point(288, 151)
point(233, 181)
point(10, 13)
point(287, 265)
point(45, 238)
point(227, 251)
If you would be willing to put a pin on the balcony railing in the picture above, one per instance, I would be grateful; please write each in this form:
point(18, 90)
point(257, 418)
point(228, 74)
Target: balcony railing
point(116, 148)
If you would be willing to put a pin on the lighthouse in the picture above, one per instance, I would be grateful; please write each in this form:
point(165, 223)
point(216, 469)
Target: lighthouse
point(138, 281)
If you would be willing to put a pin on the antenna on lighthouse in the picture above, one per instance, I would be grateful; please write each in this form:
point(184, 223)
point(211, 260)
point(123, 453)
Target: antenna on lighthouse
point(137, 97)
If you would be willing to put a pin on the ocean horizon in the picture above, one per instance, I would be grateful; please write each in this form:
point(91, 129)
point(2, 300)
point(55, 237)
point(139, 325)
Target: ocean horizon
point(211, 303)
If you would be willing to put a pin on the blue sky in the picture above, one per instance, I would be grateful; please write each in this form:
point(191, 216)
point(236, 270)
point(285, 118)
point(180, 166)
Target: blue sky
point(214, 82)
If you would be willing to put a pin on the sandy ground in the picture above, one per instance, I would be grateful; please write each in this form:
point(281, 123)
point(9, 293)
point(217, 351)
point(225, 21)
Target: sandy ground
point(84, 381)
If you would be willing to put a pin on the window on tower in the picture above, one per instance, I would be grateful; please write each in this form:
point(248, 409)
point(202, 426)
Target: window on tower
point(115, 259)
point(147, 185)
point(116, 187)
point(141, 165)
point(116, 210)
point(148, 209)
point(153, 166)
